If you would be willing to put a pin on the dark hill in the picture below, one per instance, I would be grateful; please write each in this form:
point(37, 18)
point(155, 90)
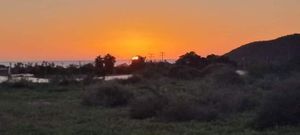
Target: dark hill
point(277, 51)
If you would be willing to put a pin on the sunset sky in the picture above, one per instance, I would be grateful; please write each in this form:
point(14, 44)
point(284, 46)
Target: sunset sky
point(82, 29)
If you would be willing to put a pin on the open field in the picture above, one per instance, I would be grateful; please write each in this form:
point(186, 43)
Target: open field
point(47, 109)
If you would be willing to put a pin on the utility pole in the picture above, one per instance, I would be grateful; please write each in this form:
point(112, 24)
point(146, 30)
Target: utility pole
point(151, 57)
point(162, 54)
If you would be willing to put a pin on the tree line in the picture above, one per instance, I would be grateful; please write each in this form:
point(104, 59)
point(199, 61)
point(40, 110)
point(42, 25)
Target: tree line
point(106, 65)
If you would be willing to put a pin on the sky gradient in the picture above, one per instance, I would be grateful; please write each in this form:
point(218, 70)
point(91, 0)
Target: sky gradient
point(82, 29)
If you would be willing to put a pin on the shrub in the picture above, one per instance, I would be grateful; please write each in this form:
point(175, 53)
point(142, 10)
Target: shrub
point(234, 100)
point(88, 79)
point(107, 94)
point(146, 106)
point(184, 72)
point(222, 74)
point(261, 70)
point(226, 101)
point(281, 106)
point(201, 104)
point(154, 70)
point(185, 109)
point(23, 83)
point(171, 108)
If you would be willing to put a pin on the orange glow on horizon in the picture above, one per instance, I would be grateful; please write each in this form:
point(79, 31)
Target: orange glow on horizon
point(130, 43)
point(82, 30)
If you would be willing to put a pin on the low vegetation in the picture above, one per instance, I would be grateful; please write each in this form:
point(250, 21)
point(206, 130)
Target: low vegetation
point(160, 98)
point(280, 107)
point(146, 106)
point(108, 95)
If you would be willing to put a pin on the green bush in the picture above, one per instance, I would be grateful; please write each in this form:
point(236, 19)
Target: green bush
point(222, 74)
point(186, 109)
point(23, 83)
point(281, 106)
point(154, 70)
point(147, 106)
point(201, 103)
point(108, 94)
point(183, 72)
point(89, 79)
point(170, 108)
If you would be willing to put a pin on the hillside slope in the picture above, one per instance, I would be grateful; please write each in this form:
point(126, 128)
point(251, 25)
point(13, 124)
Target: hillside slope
point(277, 51)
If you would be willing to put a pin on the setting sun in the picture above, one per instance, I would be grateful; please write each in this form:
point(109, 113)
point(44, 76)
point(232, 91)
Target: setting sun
point(135, 58)
point(131, 42)
point(43, 30)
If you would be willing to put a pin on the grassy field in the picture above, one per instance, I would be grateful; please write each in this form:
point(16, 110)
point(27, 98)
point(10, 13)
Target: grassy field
point(160, 101)
point(58, 110)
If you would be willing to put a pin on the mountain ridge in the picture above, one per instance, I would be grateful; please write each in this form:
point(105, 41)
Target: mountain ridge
point(276, 51)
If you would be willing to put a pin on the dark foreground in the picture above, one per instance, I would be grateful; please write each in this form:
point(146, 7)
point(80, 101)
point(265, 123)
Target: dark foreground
point(59, 111)
point(160, 101)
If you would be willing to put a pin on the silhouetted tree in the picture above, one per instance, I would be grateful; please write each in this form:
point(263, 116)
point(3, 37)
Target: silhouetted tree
point(87, 68)
point(191, 59)
point(212, 58)
point(72, 69)
point(219, 59)
point(137, 63)
point(122, 69)
point(99, 66)
point(109, 62)
point(18, 68)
